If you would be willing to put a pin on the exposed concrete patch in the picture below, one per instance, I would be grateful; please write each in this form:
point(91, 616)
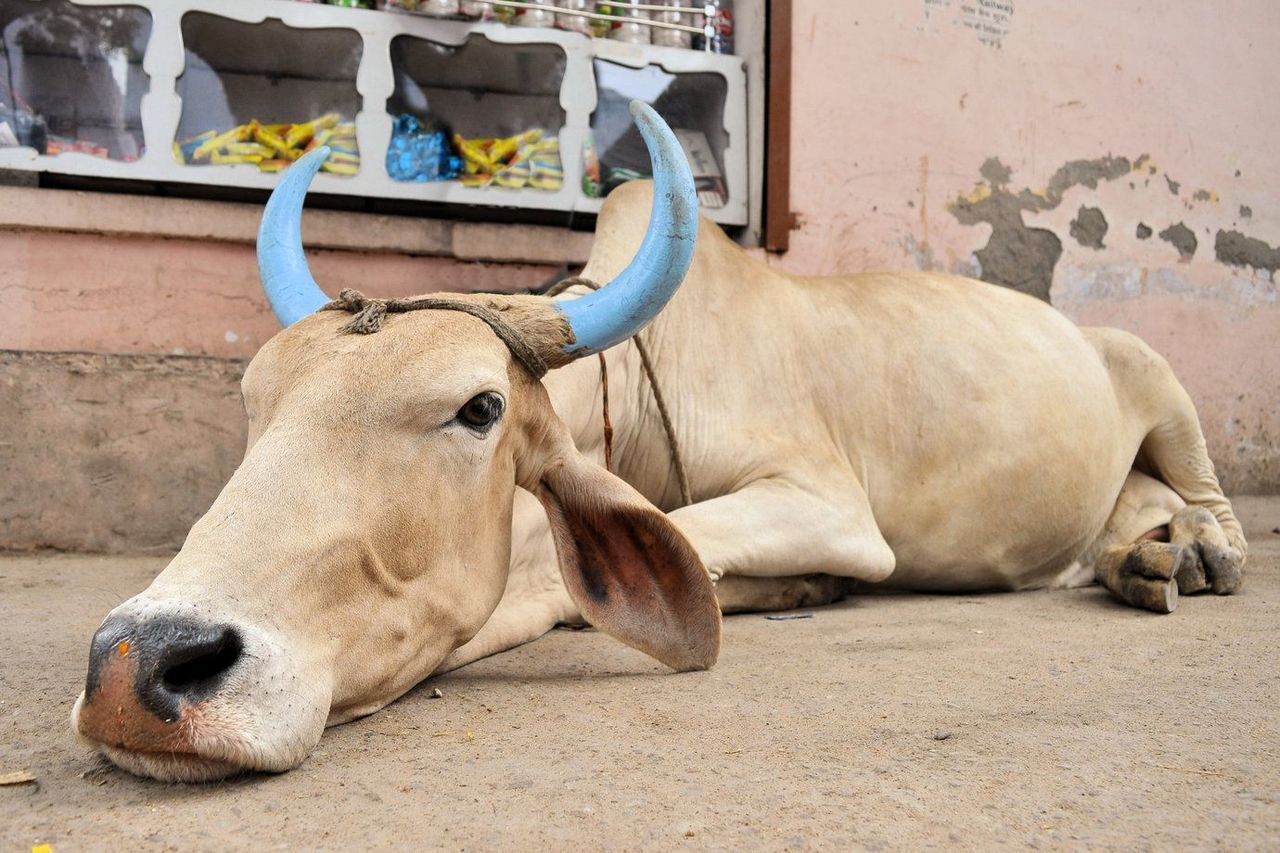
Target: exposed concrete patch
point(1238, 250)
point(1017, 255)
point(1089, 227)
point(1143, 231)
point(1182, 238)
point(1087, 173)
point(1174, 186)
point(995, 172)
point(1246, 212)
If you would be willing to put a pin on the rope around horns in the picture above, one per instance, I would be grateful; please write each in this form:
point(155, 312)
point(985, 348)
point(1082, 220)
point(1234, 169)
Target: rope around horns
point(369, 314)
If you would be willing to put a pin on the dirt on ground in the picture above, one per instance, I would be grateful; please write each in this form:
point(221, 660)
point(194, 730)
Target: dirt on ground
point(1040, 719)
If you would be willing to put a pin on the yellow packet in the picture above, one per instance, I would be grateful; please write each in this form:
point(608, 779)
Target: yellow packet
point(271, 140)
point(340, 168)
point(220, 159)
point(235, 134)
point(300, 133)
point(251, 148)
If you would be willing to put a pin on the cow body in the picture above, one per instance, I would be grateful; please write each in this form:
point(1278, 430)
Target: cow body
point(416, 493)
point(916, 430)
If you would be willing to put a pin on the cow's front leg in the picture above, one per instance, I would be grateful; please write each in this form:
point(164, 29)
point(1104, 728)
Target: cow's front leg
point(516, 621)
point(794, 524)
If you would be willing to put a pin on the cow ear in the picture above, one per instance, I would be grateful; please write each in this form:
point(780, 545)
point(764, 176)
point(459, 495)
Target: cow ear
point(632, 574)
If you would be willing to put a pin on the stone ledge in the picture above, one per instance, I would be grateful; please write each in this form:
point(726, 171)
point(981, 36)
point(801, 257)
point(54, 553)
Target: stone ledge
point(76, 211)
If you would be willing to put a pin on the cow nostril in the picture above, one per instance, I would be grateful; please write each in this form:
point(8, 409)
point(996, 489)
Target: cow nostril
point(191, 666)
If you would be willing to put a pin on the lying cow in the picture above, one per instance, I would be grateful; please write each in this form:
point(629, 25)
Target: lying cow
point(918, 430)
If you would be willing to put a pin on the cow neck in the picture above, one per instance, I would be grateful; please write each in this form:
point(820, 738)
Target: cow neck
point(646, 365)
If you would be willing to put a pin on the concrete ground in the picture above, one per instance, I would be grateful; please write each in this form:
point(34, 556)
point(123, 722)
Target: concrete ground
point(1045, 719)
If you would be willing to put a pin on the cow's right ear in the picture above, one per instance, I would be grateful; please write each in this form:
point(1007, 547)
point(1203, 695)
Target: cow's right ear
point(632, 574)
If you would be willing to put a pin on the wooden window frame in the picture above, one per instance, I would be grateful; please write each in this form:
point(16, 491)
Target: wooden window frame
point(778, 218)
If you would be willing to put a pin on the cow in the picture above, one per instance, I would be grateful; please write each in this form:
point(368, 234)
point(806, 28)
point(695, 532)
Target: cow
point(415, 495)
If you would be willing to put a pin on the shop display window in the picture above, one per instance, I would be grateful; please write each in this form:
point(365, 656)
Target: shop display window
point(263, 94)
point(71, 77)
point(482, 113)
point(693, 104)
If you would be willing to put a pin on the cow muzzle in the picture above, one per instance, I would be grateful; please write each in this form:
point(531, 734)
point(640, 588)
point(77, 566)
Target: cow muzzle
point(182, 699)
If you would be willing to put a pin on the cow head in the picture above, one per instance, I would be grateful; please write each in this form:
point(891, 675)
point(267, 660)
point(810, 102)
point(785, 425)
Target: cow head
point(367, 532)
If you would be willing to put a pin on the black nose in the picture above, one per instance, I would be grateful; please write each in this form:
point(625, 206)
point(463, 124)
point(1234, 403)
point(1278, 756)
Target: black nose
point(191, 659)
point(173, 660)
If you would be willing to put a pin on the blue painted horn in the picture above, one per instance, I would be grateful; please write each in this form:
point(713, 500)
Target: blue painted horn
point(599, 319)
point(286, 278)
point(617, 311)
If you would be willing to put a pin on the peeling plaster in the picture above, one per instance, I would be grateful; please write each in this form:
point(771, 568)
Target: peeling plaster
point(1024, 258)
point(1238, 250)
point(1181, 238)
point(1089, 227)
point(1017, 255)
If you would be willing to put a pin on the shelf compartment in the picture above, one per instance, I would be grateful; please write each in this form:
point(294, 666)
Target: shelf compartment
point(71, 78)
point(692, 103)
point(256, 95)
point(449, 100)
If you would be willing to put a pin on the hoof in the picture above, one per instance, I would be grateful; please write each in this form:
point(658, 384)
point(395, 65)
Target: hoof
point(1214, 564)
point(1146, 577)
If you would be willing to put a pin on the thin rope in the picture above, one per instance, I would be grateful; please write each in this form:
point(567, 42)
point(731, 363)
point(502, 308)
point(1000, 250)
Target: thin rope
point(646, 364)
point(682, 476)
point(608, 424)
point(370, 313)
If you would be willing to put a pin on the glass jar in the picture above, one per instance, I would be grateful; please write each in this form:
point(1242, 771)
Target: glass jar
point(575, 23)
point(438, 8)
point(628, 30)
point(675, 38)
point(539, 17)
point(476, 10)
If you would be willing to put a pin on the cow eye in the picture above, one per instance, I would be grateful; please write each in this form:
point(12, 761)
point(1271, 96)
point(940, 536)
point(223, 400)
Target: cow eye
point(481, 411)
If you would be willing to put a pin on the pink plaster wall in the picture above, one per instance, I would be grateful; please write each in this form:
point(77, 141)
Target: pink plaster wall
point(897, 106)
point(112, 294)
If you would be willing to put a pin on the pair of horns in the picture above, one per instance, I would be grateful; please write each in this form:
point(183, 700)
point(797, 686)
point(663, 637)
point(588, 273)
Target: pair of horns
point(598, 319)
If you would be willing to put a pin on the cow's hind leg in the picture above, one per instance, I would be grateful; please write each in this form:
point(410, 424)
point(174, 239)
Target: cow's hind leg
point(1205, 545)
point(1155, 546)
point(1206, 527)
